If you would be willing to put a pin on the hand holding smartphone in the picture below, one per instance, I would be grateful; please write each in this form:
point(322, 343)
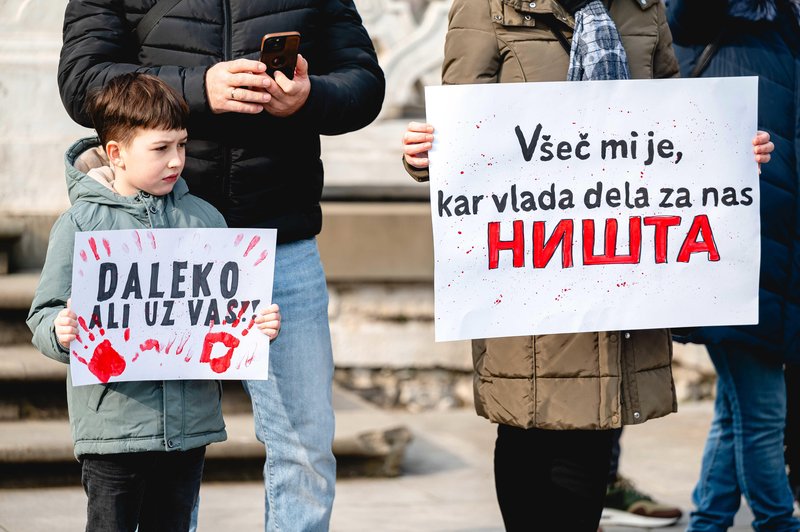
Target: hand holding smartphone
point(279, 52)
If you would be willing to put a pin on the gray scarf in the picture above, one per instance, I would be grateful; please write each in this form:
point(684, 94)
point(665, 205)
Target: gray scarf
point(597, 51)
point(759, 9)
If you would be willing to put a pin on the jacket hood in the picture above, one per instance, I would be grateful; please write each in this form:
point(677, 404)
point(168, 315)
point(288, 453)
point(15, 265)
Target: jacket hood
point(89, 178)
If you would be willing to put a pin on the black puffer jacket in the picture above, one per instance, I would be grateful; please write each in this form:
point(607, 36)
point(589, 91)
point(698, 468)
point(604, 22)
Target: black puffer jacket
point(260, 171)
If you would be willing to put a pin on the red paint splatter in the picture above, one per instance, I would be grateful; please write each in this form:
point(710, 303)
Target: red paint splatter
point(80, 358)
point(102, 332)
point(137, 240)
point(169, 345)
point(252, 244)
point(80, 272)
point(93, 245)
point(261, 258)
point(183, 344)
point(250, 359)
point(107, 247)
point(127, 334)
point(245, 304)
point(135, 357)
point(82, 323)
point(106, 362)
point(152, 238)
point(188, 357)
point(238, 239)
point(462, 172)
point(150, 344)
point(83, 256)
point(219, 364)
point(249, 326)
point(78, 337)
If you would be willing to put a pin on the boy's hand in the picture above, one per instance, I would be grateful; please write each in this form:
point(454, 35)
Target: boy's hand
point(269, 321)
point(762, 147)
point(66, 325)
point(417, 140)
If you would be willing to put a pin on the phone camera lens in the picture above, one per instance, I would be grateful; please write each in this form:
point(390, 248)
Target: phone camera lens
point(277, 62)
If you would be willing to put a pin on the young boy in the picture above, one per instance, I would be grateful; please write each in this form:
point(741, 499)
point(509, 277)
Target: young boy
point(141, 444)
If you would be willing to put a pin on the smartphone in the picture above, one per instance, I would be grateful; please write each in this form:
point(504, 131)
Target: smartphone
point(279, 52)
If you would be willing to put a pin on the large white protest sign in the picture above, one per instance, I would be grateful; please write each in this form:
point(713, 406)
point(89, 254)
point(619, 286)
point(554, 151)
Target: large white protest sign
point(571, 207)
point(162, 304)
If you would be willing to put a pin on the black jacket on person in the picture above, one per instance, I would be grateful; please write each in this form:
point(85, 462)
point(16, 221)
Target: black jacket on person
point(771, 51)
point(258, 170)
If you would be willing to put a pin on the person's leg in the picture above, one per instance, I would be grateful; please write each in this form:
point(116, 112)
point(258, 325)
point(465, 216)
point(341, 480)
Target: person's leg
point(625, 504)
point(522, 463)
point(746, 456)
point(758, 404)
point(792, 430)
point(716, 495)
point(613, 468)
point(293, 409)
point(551, 480)
point(173, 482)
point(114, 485)
point(580, 475)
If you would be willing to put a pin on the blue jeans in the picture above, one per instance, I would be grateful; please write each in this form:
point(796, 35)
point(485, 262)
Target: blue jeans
point(293, 409)
point(744, 449)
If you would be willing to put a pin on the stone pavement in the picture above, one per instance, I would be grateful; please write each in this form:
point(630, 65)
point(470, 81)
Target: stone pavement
point(446, 483)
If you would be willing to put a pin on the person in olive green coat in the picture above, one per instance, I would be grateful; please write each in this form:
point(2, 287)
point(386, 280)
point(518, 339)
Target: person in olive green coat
point(141, 444)
point(554, 397)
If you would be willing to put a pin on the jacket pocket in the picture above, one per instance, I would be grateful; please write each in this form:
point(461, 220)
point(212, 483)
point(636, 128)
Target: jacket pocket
point(99, 393)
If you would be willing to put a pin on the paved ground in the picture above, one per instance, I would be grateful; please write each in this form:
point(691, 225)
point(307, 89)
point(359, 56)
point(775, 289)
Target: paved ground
point(446, 485)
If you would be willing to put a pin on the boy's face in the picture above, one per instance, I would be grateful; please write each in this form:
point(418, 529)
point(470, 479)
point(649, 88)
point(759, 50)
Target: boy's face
point(151, 162)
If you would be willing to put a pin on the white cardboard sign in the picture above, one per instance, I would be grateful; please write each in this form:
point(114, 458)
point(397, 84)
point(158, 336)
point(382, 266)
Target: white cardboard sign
point(163, 304)
point(570, 207)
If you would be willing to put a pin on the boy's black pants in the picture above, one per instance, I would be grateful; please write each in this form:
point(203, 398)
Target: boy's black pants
point(551, 480)
point(155, 491)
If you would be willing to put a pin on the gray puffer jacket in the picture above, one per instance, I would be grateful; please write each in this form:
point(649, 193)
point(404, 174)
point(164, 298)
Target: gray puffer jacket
point(123, 417)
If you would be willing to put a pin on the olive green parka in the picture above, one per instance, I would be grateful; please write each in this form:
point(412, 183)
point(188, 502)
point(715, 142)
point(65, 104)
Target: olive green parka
point(597, 380)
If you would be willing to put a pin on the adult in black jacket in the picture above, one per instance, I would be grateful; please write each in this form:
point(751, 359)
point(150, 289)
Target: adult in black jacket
point(744, 449)
point(254, 153)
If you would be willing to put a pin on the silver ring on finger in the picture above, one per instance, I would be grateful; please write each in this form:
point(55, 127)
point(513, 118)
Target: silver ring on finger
point(233, 93)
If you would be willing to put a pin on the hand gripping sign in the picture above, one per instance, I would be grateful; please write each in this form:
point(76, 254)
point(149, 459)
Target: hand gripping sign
point(162, 304)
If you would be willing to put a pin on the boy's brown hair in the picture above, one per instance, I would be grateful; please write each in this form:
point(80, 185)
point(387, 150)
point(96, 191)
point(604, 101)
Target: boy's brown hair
point(132, 101)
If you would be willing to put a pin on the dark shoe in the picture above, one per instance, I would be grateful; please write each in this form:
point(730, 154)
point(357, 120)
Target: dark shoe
point(627, 506)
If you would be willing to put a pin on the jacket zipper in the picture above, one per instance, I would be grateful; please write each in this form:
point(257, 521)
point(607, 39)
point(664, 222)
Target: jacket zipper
point(226, 18)
point(226, 56)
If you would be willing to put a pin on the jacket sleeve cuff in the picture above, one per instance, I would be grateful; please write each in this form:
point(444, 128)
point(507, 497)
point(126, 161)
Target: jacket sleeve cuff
point(194, 89)
point(418, 174)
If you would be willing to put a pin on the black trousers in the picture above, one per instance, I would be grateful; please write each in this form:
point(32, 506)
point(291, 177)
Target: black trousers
point(551, 480)
point(155, 491)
